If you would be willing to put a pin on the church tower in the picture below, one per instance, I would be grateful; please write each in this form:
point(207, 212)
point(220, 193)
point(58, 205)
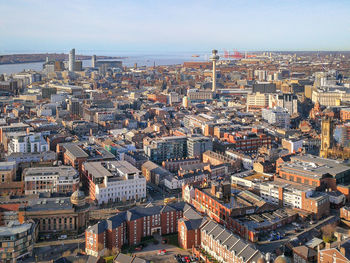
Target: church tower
point(326, 136)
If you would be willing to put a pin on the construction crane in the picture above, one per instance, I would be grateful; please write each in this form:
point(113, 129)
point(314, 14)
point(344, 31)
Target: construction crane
point(236, 55)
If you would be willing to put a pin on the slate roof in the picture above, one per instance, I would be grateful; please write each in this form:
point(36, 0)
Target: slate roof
point(116, 221)
point(138, 212)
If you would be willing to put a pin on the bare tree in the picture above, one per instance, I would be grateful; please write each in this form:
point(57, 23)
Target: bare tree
point(328, 233)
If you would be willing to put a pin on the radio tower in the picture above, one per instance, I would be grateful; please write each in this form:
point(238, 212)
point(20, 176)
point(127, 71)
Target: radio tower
point(214, 57)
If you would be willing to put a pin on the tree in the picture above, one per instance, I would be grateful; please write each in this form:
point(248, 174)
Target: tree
point(328, 233)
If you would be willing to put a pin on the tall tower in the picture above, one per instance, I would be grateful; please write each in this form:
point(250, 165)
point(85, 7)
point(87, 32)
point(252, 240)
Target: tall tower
point(214, 57)
point(326, 136)
point(93, 61)
point(71, 62)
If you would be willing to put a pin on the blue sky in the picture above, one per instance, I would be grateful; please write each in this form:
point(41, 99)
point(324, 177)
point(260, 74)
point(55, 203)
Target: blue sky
point(173, 26)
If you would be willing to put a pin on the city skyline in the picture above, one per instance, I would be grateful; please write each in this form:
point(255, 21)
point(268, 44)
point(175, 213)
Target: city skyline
point(164, 26)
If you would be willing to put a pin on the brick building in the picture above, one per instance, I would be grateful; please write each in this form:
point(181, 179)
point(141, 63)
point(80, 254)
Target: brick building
point(189, 228)
point(224, 246)
point(316, 172)
point(131, 226)
point(338, 254)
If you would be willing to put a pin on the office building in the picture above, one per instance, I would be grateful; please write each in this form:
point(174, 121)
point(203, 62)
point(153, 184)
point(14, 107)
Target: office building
point(62, 179)
point(165, 148)
point(196, 145)
point(277, 116)
point(257, 101)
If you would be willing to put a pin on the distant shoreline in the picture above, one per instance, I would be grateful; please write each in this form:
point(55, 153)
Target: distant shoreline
point(34, 58)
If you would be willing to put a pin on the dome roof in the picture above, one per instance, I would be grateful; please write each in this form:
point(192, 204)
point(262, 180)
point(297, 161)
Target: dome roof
point(78, 198)
point(282, 259)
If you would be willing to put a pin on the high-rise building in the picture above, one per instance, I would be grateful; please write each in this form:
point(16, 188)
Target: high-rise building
point(71, 63)
point(93, 61)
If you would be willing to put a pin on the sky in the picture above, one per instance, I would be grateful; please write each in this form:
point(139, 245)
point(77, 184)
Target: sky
point(161, 26)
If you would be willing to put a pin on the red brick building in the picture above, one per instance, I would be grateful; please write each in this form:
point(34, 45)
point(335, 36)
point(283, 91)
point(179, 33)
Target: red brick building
point(131, 226)
point(189, 228)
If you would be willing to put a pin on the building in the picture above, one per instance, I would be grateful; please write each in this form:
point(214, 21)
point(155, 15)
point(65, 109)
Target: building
point(189, 235)
point(337, 254)
point(247, 142)
point(17, 241)
point(57, 214)
point(277, 116)
point(345, 214)
point(251, 225)
point(296, 196)
point(13, 127)
point(264, 87)
point(224, 246)
point(314, 171)
point(196, 145)
point(174, 165)
point(137, 159)
point(8, 171)
point(75, 154)
point(93, 61)
point(131, 226)
point(287, 101)
point(218, 203)
point(174, 182)
point(217, 159)
point(257, 101)
point(27, 143)
point(74, 107)
point(345, 114)
point(304, 254)
point(154, 173)
point(165, 148)
point(61, 179)
point(331, 96)
point(196, 95)
point(114, 181)
point(71, 62)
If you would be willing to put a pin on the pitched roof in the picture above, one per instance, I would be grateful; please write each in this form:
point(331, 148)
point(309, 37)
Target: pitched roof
point(305, 251)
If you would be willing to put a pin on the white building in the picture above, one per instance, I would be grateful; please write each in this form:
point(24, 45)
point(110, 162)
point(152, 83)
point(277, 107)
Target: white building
point(277, 116)
point(114, 181)
point(28, 143)
point(288, 195)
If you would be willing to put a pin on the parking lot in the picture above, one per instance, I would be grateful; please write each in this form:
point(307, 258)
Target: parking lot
point(150, 253)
